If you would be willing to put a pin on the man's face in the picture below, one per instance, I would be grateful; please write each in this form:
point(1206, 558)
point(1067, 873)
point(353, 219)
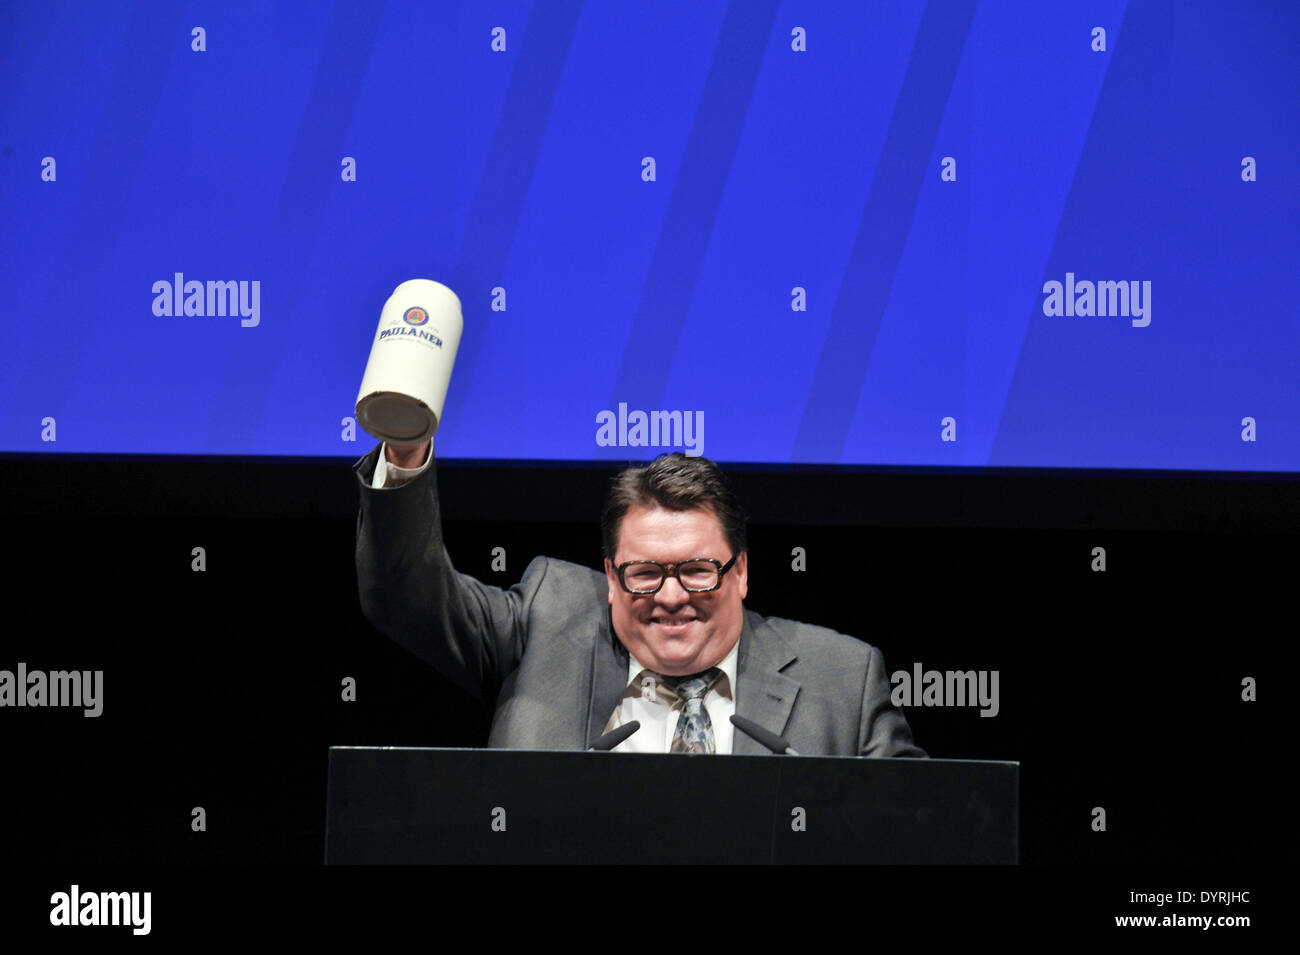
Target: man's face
point(674, 631)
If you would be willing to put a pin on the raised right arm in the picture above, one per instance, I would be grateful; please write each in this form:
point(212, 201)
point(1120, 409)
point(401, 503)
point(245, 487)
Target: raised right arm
point(471, 632)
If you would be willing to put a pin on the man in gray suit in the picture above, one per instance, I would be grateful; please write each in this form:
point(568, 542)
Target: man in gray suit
point(662, 637)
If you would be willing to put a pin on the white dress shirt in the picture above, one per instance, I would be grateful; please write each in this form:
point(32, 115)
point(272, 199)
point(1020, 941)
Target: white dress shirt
point(388, 474)
point(649, 700)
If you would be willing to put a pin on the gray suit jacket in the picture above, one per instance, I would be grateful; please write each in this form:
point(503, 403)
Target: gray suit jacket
point(545, 651)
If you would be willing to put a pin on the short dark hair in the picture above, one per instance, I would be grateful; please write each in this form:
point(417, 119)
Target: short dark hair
point(677, 482)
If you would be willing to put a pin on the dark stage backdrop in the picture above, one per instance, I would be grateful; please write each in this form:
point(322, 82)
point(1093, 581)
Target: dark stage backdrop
point(223, 688)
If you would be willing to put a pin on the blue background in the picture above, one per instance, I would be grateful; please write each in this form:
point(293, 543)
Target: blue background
point(775, 169)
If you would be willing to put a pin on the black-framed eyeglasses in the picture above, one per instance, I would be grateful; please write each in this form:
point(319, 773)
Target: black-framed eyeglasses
point(698, 575)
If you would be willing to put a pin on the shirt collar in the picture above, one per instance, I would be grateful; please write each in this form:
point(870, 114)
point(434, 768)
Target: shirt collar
point(635, 670)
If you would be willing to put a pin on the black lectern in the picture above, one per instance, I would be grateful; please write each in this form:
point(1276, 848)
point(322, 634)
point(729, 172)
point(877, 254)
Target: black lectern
point(404, 805)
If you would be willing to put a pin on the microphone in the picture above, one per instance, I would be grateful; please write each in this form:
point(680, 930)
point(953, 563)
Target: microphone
point(776, 744)
point(613, 737)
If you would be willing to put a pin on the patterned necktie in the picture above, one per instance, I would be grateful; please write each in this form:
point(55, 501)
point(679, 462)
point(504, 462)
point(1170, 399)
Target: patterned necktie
point(694, 729)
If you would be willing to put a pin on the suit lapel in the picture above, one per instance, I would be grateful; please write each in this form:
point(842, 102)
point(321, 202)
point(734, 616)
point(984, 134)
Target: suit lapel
point(763, 693)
